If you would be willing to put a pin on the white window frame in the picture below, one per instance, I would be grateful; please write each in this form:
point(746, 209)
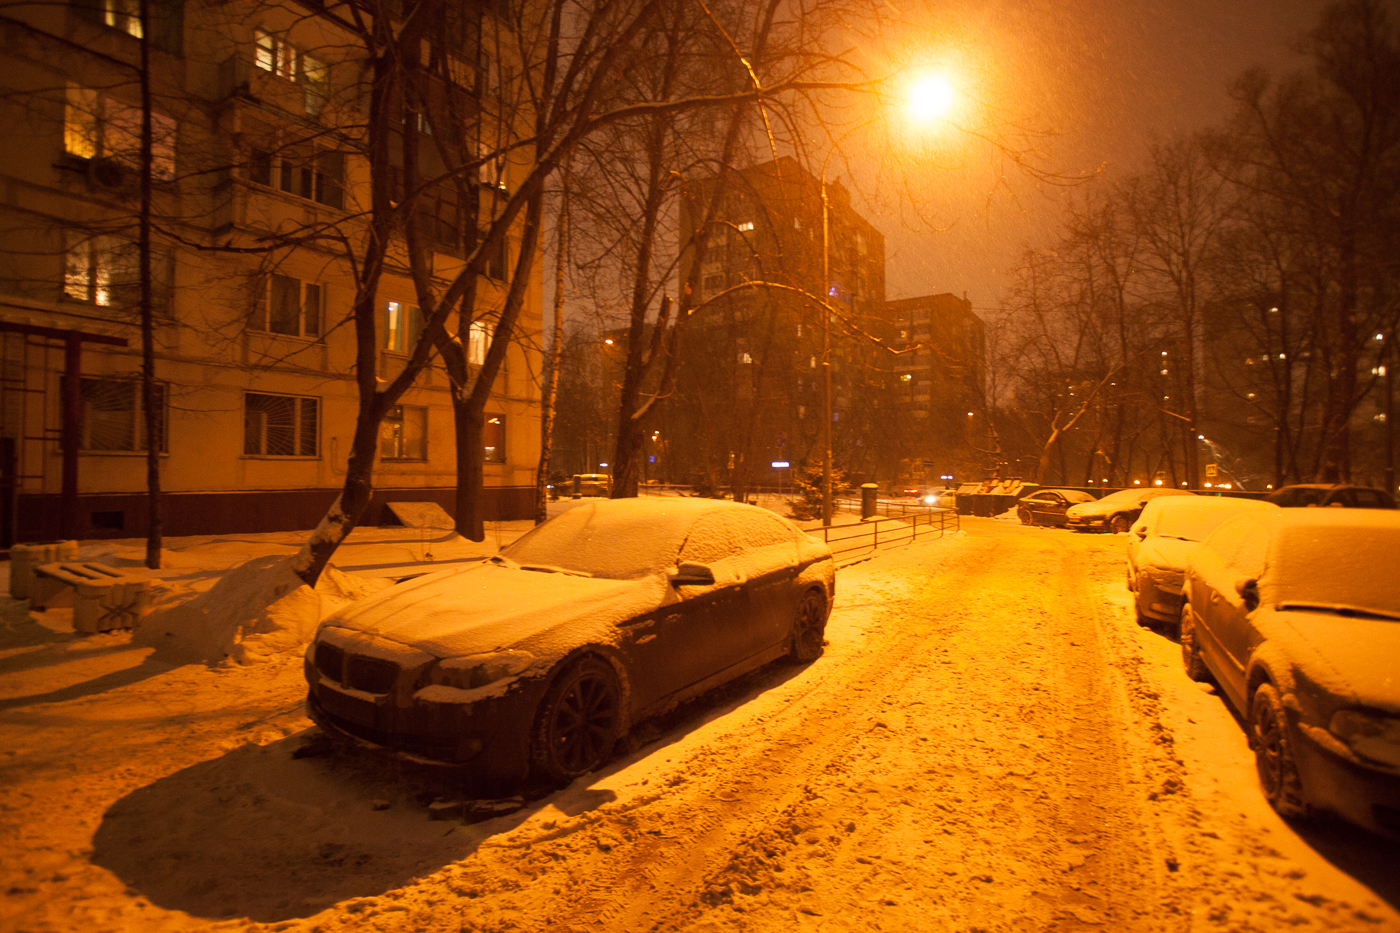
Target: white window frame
point(298, 427)
point(311, 307)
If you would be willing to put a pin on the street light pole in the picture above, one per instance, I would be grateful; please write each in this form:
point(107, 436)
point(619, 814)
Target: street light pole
point(826, 351)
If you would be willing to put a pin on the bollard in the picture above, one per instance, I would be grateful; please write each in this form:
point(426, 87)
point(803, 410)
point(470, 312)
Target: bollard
point(868, 501)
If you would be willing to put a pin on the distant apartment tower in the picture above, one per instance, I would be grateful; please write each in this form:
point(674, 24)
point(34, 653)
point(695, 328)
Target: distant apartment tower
point(941, 383)
point(749, 393)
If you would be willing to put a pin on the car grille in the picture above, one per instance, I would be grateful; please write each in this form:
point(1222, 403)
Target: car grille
point(330, 661)
point(372, 675)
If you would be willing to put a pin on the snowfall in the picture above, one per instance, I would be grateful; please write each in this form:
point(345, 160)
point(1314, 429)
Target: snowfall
point(989, 743)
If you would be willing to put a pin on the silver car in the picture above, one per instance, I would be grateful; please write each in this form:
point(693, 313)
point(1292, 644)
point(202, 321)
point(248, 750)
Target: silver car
point(1163, 539)
point(1296, 614)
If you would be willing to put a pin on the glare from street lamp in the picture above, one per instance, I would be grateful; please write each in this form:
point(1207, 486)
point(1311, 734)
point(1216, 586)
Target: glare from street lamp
point(930, 97)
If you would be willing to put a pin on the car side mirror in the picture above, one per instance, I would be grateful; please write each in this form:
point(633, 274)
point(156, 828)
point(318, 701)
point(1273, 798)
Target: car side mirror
point(1248, 588)
point(692, 575)
point(1141, 532)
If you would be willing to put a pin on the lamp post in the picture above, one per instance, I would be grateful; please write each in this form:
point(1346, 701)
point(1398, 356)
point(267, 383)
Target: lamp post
point(928, 97)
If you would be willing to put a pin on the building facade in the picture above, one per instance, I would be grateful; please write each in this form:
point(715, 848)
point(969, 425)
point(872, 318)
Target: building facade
point(259, 196)
point(941, 381)
point(749, 391)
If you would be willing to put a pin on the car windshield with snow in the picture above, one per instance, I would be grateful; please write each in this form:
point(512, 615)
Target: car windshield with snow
point(1116, 511)
point(1296, 614)
point(537, 660)
point(1163, 538)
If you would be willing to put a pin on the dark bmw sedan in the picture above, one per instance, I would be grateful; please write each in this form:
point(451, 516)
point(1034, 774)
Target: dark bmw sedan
point(537, 660)
point(1048, 506)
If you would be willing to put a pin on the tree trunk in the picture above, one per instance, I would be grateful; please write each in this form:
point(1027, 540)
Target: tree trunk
point(155, 411)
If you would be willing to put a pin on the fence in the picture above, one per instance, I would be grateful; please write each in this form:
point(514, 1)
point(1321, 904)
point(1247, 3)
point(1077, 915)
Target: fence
point(905, 527)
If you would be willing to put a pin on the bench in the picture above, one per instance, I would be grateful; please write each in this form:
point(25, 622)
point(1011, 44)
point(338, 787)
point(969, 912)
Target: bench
point(103, 598)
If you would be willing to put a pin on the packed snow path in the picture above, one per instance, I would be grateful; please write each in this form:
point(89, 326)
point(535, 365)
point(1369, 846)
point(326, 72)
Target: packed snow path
point(989, 743)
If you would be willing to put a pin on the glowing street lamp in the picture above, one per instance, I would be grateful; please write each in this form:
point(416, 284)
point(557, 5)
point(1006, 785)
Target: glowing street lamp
point(928, 97)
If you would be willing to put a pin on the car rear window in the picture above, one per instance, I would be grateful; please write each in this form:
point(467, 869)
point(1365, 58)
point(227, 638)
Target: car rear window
point(1348, 563)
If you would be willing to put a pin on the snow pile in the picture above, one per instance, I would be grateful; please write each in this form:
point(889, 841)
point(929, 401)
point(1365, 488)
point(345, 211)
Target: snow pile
point(258, 609)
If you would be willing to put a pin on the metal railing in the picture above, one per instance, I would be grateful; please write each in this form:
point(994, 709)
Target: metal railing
point(871, 533)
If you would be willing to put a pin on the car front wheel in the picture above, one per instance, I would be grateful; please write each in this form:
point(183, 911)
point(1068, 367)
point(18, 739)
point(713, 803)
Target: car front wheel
point(1027, 518)
point(1191, 652)
point(1273, 753)
point(809, 628)
point(1119, 524)
point(577, 722)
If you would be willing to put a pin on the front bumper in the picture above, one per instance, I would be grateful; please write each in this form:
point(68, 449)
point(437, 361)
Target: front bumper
point(1360, 794)
point(490, 735)
point(1159, 599)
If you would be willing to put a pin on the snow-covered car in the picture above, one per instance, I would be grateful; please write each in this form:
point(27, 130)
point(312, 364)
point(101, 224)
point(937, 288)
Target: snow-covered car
point(1296, 615)
point(539, 659)
point(592, 484)
point(1163, 538)
point(1116, 511)
point(1048, 506)
point(1302, 495)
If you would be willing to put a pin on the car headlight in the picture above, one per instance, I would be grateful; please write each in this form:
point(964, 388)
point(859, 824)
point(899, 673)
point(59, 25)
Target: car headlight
point(477, 670)
point(1369, 733)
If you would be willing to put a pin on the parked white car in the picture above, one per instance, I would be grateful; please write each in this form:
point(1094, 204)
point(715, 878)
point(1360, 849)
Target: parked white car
point(1296, 614)
point(1116, 511)
point(1163, 539)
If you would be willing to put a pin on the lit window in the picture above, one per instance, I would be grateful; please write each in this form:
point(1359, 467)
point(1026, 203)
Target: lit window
point(402, 326)
point(906, 377)
point(280, 425)
point(478, 339)
point(493, 438)
point(403, 434)
point(744, 357)
point(106, 271)
point(99, 127)
point(124, 15)
point(746, 226)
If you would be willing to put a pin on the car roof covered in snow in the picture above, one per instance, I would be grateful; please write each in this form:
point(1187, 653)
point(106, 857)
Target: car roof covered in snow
point(625, 539)
point(1193, 518)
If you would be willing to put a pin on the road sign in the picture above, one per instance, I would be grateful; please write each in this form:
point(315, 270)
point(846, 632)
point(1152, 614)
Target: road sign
point(1211, 471)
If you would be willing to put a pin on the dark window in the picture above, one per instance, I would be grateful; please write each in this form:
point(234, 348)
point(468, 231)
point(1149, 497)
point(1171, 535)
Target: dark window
point(289, 306)
point(113, 416)
point(403, 434)
point(280, 425)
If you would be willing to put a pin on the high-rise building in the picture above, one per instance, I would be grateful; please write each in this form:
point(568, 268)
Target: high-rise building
point(749, 392)
point(941, 384)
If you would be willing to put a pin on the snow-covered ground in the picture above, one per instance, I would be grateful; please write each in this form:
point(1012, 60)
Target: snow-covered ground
point(989, 743)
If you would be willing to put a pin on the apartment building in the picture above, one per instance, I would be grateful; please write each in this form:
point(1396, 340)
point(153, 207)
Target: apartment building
point(260, 188)
point(749, 392)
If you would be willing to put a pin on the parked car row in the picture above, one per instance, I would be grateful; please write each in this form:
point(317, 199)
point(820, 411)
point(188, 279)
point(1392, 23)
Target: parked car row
point(1079, 511)
point(1295, 614)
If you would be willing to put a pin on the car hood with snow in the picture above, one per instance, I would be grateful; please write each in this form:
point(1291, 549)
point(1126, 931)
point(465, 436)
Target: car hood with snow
point(1349, 657)
point(497, 605)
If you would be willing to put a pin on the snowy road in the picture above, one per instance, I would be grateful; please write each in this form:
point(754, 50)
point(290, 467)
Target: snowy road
point(989, 743)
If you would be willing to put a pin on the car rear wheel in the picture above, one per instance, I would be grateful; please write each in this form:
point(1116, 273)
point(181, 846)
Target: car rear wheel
point(1027, 517)
point(577, 722)
point(809, 628)
point(1190, 652)
point(1119, 524)
point(1273, 753)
